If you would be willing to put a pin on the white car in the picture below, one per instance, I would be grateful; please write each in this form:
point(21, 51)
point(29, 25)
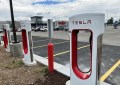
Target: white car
point(1, 30)
point(19, 30)
point(37, 29)
point(44, 29)
point(66, 28)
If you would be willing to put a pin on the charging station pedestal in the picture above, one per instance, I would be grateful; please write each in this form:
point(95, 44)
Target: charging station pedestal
point(27, 43)
point(6, 37)
point(1, 42)
point(94, 22)
point(1, 39)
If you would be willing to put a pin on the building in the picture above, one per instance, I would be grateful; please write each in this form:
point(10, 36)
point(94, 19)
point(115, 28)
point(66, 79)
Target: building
point(17, 24)
point(62, 23)
point(3, 22)
point(37, 21)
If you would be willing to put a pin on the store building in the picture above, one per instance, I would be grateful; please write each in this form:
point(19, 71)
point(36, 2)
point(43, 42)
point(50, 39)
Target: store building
point(62, 23)
point(37, 21)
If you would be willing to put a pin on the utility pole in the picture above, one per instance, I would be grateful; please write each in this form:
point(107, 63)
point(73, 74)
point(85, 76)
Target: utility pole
point(106, 17)
point(13, 22)
point(107, 14)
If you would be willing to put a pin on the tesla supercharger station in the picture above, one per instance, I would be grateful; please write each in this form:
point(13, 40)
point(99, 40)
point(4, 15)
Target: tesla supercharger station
point(27, 43)
point(6, 37)
point(94, 22)
point(0, 40)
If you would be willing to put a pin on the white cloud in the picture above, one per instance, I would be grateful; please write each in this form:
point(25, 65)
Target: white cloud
point(24, 8)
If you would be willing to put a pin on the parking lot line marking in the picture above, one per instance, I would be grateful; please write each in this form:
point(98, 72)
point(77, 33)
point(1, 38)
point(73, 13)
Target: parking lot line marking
point(53, 44)
point(61, 53)
point(35, 40)
point(110, 71)
point(41, 40)
point(69, 51)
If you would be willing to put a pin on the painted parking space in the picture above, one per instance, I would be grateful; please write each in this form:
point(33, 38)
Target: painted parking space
point(64, 57)
point(44, 43)
point(58, 47)
point(112, 74)
point(115, 77)
point(108, 60)
point(39, 42)
point(34, 38)
point(61, 55)
point(110, 57)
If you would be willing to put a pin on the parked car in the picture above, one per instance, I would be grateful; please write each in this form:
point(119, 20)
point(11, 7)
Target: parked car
point(66, 28)
point(56, 28)
point(37, 29)
point(61, 28)
point(44, 29)
point(19, 29)
point(1, 30)
point(32, 29)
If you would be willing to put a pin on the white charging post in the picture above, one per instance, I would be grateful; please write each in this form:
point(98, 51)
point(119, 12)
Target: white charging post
point(0, 40)
point(94, 22)
point(27, 43)
point(7, 37)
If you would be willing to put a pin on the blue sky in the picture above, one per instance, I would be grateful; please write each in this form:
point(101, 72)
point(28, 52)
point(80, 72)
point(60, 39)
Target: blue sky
point(58, 9)
point(51, 2)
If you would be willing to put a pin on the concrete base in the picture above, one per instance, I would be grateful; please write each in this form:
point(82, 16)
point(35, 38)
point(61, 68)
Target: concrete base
point(2, 43)
point(0, 40)
point(16, 49)
point(8, 50)
point(1, 34)
point(101, 83)
point(29, 63)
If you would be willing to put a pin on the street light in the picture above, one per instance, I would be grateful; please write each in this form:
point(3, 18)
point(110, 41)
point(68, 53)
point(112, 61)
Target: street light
point(13, 23)
point(106, 15)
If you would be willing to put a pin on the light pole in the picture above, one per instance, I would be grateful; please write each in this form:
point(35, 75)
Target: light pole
point(13, 22)
point(106, 15)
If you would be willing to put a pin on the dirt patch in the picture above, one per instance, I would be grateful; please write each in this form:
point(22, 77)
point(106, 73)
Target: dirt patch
point(54, 78)
point(14, 72)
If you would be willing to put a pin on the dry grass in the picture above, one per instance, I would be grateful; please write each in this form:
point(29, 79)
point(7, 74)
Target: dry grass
point(14, 72)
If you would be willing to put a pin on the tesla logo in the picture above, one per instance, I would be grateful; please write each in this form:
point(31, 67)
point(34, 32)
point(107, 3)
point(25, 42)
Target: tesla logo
point(81, 22)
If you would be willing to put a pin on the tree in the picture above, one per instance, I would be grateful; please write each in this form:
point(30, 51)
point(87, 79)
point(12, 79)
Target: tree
point(110, 21)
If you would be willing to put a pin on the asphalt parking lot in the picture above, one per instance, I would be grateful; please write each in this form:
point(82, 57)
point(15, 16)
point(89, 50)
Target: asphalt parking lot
point(110, 56)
